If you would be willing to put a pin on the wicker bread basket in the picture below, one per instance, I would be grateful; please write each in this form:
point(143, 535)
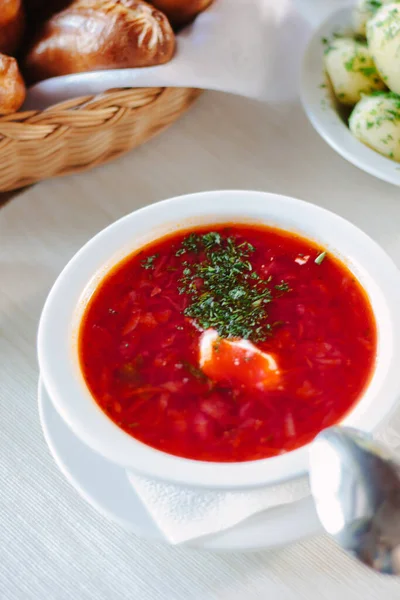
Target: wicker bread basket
point(79, 134)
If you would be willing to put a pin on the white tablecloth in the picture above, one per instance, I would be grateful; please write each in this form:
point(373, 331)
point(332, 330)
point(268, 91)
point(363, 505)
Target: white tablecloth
point(53, 546)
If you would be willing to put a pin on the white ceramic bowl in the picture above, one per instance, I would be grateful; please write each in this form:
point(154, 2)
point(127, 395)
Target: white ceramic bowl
point(322, 108)
point(57, 342)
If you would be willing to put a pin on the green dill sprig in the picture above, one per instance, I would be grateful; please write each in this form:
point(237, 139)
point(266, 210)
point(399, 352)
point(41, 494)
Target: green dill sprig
point(320, 258)
point(226, 294)
point(148, 263)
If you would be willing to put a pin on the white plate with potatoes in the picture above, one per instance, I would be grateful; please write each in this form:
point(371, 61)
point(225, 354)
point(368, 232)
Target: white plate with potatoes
point(350, 86)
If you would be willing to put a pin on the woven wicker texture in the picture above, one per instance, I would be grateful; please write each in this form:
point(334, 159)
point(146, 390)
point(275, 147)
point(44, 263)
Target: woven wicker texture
point(79, 134)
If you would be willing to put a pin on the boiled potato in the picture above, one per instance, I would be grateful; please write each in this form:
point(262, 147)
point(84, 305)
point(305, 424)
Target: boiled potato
point(375, 121)
point(351, 70)
point(383, 34)
point(364, 11)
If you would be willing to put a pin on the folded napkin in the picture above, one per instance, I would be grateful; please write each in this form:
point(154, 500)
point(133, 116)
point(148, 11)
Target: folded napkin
point(248, 47)
point(184, 514)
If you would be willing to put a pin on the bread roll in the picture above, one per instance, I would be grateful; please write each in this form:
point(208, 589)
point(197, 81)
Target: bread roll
point(92, 35)
point(375, 121)
point(37, 12)
point(383, 34)
point(12, 87)
point(181, 12)
point(351, 70)
point(11, 25)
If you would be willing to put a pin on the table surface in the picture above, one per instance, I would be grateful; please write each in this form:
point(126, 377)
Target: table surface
point(53, 545)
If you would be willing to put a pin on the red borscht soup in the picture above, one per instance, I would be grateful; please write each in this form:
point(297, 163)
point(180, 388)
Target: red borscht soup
point(228, 343)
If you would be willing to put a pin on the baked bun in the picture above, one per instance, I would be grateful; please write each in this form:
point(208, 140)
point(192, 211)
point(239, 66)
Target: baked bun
point(181, 12)
point(11, 25)
point(92, 35)
point(12, 87)
point(37, 12)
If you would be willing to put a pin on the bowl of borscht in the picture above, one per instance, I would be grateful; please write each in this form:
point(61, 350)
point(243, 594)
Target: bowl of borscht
point(205, 340)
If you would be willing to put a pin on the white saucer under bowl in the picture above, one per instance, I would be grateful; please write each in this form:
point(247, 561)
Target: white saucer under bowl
point(106, 487)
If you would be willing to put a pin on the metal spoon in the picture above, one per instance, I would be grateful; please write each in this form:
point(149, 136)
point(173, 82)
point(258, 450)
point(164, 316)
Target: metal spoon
point(355, 483)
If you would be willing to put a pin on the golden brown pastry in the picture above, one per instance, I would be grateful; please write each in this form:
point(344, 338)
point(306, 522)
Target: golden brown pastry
point(11, 25)
point(12, 87)
point(37, 12)
point(181, 12)
point(92, 35)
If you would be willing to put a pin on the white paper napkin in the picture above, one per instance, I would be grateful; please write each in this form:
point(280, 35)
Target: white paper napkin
point(184, 514)
point(246, 47)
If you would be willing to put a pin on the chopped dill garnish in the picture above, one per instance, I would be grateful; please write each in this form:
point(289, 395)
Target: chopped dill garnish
point(283, 286)
point(226, 294)
point(320, 258)
point(148, 263)
point(368, 71)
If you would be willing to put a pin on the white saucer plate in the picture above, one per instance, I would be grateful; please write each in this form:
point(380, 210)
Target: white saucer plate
point(106, 487)
point(321, 108)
